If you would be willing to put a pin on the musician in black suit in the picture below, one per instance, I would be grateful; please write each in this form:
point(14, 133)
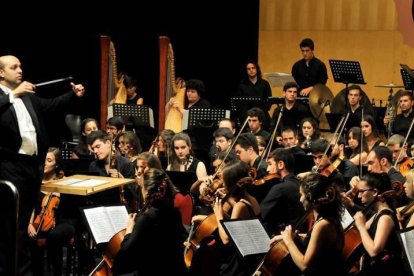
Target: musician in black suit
point(23, 146)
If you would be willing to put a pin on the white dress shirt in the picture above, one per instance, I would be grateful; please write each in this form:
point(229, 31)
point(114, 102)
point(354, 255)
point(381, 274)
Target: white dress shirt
point(26, 127)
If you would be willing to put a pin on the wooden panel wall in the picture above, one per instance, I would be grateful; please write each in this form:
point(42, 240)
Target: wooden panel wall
point(361, 30)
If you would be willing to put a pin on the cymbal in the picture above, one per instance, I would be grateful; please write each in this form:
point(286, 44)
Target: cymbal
point(339, 103)
point(319, 100)
point(390, 85)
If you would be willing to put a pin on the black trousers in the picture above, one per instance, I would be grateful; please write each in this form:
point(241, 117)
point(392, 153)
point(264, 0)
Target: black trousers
point(24, 172)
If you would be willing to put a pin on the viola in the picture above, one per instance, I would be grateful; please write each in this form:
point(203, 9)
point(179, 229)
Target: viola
point(267, 178)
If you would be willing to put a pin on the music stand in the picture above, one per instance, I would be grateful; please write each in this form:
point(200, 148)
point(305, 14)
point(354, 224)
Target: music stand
point(182, 180)
point(200, 124)
point(140, 115)
point(278, 79)
point(407, 76)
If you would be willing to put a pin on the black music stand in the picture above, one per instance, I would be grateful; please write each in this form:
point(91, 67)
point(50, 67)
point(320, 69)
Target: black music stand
point(137, 115)
point(407, 76)
point(139, 118)
point(200, 124)
point(182, 180)
point(346, 72)
point(241, 104)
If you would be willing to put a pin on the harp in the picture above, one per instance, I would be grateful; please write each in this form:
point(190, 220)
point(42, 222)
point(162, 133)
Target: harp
point(169, 118)
point(110, 82)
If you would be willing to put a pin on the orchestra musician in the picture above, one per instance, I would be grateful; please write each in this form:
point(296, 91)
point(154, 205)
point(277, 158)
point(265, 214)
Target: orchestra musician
point(153, 239)
point(293, 110)
point(241, 206)
point(310, 70)
point(281, 206)
point(323, 162)
point(247, 151)
point(354, 138)
point(371, 133)
point(395, 145)
point(23, 147)
point(111, 164)
point(255, 118)
point(308, 132)
point(325, 240)
point(62, 228)
point(402, 121)
point(409, 191)
point(382, 249)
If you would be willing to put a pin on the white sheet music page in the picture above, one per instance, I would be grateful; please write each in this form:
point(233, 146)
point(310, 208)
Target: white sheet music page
point(249, 236)
point(407, 238)
point(105, 222)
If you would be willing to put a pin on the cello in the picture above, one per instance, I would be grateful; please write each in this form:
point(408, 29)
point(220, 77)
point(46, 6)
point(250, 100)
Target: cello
point(276, 262)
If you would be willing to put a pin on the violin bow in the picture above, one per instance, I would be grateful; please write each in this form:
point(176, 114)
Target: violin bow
point(403, 145)
point(335, 137)
point(269, 146)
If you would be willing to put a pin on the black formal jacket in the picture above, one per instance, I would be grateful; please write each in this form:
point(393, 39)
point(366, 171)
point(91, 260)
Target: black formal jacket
point(10, 140)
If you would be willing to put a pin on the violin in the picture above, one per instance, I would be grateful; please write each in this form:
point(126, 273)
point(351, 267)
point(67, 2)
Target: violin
point(332, 167)
point(154, 146)
point(405, 166)
point(267, 178)
point(403, 212)
point(46, 219)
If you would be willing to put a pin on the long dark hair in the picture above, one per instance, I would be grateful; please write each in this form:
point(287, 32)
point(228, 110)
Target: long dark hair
point(324, 196)
point(161, 191)
point(232, 174)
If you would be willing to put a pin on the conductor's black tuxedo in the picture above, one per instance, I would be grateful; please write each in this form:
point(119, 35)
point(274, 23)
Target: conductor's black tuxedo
point(23, 171)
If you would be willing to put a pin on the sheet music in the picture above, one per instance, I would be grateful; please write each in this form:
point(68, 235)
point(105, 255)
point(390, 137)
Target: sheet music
point(346, 219)
point(407, 238)
point(90, 183)
point(249, 236)
point(78, 182)
point(105, 222)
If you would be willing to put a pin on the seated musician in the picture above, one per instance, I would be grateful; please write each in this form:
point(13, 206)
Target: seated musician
point(402, 121)
point(111, 164)
point(371, 133)
point(290, 141)
point(408, 217)
point(382, 249)
point(308, 132)
point(395, 145)
point(255, 118)
point(127, 92)
point(129, 145)
point(223, 138)
point(345, 167)
point(357, 154)
point(194, 89)
point(247, 151)
point(82, 150)
point(281, 206)
point(293, 111)
point(325, 240)
point(153, 240)
point(114, 126)
point(162, 147)
point(379, 160)
point(323, 162)
point(355, 102)
point(241, 205)
point(61, 228)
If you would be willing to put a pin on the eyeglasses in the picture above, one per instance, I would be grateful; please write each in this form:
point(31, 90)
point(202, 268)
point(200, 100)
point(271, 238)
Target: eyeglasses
point(366, 190)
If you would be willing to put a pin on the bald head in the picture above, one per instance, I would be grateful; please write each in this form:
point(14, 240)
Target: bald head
point(11, 73)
